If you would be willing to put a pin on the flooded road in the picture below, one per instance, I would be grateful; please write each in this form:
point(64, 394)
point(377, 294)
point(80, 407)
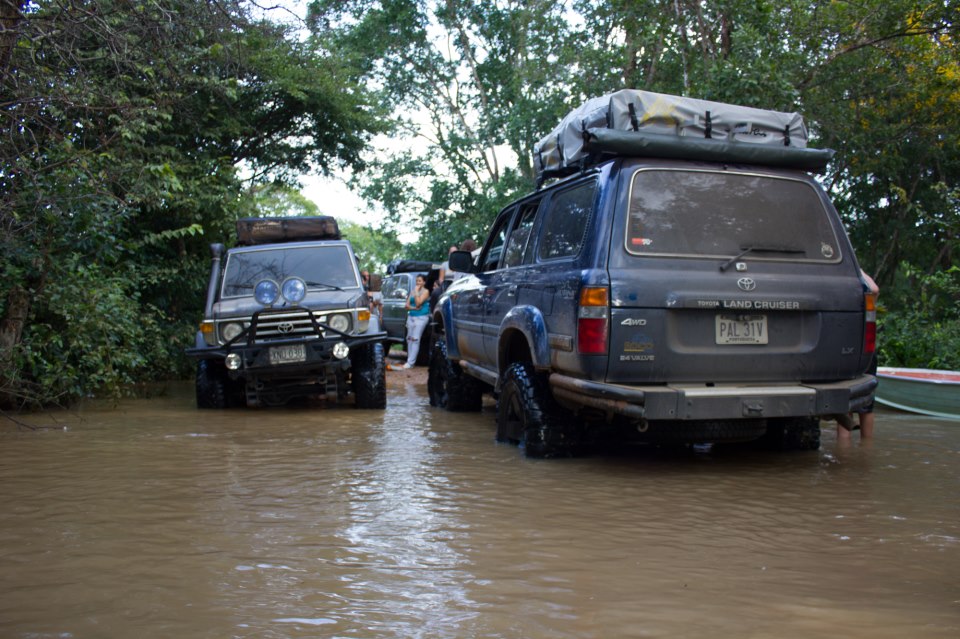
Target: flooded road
point(154, 519)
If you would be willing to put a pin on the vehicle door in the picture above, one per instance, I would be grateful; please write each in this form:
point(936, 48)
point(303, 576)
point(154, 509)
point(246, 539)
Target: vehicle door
point(561, 257)
point(395, 291)
point(472, 298)
point(514, 281)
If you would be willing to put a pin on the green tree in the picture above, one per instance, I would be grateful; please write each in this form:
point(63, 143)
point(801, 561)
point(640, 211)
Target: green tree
point(885, 95)
point(375, 248)
point(124, 124)
point(472, 80)
point(877, 81)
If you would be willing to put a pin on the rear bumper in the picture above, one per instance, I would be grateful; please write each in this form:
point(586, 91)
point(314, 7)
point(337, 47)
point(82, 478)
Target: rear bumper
point(701, 402)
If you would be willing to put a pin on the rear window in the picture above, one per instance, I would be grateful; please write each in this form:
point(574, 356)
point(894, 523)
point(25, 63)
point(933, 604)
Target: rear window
point(724, 214)
point(321, 267)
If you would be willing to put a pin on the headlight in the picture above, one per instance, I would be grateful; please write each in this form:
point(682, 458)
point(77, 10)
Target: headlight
point(293, 290)
point(231, 330)
point(266, 292)
point(339, 322)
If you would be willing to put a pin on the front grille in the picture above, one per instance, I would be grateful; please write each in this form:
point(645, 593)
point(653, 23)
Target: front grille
point(287, 324)
point(274, 326)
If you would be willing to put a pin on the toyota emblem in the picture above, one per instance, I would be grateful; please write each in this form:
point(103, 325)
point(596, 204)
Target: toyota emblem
point(285, 327)
point(746, 283)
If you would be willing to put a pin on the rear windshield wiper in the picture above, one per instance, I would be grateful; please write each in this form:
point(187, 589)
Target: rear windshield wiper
point(788, 250)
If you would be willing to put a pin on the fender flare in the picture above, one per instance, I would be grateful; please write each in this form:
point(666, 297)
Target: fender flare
point(443, 315)
point(528, 320)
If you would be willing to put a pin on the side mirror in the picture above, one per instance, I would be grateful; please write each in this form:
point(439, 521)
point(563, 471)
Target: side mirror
point(461, 261)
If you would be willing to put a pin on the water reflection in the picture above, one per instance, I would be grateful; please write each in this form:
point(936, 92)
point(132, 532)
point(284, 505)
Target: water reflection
point(403, 575)
point(156, 520)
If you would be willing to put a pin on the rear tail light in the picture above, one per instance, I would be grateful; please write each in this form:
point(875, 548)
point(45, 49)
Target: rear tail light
point(870, 323)
point(593, 321)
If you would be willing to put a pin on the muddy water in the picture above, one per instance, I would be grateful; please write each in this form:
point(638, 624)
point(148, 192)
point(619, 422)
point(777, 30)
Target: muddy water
point(156, 520)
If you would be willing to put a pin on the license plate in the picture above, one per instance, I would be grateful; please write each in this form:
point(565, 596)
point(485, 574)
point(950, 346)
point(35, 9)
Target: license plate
point(288, 354)
point(741, 329)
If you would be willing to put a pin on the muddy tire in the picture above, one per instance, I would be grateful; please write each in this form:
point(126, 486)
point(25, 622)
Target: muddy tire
point(528, 415)
point(214, 387)
point(448, 386)
point(792, 433)
point(369, 376)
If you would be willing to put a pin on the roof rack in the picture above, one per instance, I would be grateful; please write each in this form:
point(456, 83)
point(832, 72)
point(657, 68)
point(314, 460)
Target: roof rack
point(634, 123)
point(273, 230)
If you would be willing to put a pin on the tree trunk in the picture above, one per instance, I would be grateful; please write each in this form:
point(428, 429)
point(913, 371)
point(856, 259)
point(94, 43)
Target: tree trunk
point(10, 16)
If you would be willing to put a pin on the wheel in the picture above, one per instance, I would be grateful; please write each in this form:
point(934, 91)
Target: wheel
point(214, 387)
point(448, 386)
point(369, 376)
point(528, 415)
point(792, 433)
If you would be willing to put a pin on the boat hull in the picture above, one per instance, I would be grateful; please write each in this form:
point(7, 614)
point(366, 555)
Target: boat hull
point(920, 390)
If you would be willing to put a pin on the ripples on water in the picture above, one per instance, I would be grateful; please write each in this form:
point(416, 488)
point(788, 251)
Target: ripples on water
point(157, 520)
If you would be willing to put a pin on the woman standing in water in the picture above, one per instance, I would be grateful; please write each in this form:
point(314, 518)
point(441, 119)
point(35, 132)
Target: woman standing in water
point(418, 314)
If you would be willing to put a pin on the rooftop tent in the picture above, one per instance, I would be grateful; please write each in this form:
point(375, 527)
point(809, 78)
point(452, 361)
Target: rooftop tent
point(646, 124)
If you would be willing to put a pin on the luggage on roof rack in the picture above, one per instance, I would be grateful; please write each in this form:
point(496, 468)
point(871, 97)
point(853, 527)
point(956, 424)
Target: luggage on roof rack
point(410, 266)
point(646, 124)
point(272, 230)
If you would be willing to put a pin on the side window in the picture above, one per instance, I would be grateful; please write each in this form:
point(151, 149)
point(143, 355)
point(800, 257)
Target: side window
point(388, 285)
point(566, 220)
point(514, 251)
point(490, 256)
point(393, 287)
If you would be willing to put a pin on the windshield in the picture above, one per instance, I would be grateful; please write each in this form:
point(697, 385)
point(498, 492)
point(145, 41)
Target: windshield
point(728, 215)
point(321, 267)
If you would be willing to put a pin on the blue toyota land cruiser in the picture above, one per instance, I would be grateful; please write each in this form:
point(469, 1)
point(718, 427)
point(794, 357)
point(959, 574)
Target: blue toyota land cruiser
point(699, 293)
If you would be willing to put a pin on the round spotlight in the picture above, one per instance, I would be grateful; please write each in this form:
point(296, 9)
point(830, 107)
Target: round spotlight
point(341, 350)
point(266, 292)
point(293, 290)
point(232, 362)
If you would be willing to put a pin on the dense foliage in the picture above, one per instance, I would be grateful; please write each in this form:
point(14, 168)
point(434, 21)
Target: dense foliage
point(133, 133)
point(879, 81)
point(126, 127)
point(919, 320)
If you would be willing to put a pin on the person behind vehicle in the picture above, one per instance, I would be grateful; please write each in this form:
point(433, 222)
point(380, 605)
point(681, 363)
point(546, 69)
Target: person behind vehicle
point(467, 245)
point(865, 414)
point(444, 280)
point(375, 297)
point(418, 314)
